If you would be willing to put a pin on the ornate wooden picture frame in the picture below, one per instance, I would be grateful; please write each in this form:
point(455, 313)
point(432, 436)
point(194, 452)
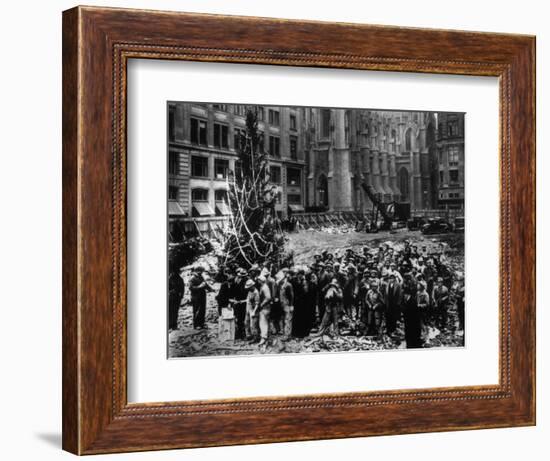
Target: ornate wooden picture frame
point(97, 44)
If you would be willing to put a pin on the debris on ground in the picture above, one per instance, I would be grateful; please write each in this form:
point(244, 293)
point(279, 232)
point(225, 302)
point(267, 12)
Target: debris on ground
point(186, 342)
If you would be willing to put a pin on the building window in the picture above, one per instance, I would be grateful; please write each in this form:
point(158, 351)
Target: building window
point(273, 117)
point(441, 177)
point(199, 195)
point(293, 176)
point(260, 114)
point(452, 127)
point(293, 147)
point(199, 167)
point(222, 107)
point(453, 175)
point(404, 184)
point(173, 162)
point(220, 195)
point(294, 199)
point(274, 146)
point(221, 134)
point(198, 132)
point(453, 155)
point(239, 109)
point(292, 121)
point(173, 192)
point(346, 128)
point(238, 142)
point(171, 123)
point(325, 123)
point(275, 174)
point(408, 140)
point(221, 168)
point(393, 140)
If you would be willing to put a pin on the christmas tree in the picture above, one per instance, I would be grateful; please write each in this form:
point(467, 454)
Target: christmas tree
point(254, 232)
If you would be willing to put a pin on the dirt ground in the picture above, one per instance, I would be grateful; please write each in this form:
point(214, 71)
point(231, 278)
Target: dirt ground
point(306, 243)
point(186, 342)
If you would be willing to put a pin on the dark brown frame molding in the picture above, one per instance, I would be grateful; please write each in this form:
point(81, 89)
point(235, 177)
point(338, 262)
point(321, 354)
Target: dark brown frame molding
point(97, 43)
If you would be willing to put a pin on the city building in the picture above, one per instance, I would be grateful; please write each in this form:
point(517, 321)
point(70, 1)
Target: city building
point(394, 153)
point(450, 149)
point(202, 149)
point(319, 159)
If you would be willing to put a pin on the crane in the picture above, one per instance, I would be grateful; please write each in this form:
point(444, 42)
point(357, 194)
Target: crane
point(390, 211)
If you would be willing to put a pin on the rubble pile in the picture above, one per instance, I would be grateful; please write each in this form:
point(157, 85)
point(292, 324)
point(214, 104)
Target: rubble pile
point(184, 253)
point(340, 229)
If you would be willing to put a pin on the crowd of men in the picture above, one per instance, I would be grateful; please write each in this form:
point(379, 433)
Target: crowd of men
point(370, 292)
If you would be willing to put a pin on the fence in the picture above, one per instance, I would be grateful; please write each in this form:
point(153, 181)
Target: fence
point(449, 214)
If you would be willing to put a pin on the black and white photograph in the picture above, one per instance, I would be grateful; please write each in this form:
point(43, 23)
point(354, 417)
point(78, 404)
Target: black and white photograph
point(305, 230)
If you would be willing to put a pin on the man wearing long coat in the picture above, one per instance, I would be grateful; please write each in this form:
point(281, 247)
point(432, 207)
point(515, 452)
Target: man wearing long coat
point(176, 289)
point(198, 287)
point(393, 298)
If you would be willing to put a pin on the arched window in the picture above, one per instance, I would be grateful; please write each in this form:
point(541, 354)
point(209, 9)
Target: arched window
point(322, 190)
point(430, 135)
point(393, 141)
point(404, 184)
point(325, 123)
point(408, 140)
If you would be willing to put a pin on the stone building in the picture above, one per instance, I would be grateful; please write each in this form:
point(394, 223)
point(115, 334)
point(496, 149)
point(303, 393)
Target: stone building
point(202, 148)
point(450, 148)
point(319, 158)
point(395, 153)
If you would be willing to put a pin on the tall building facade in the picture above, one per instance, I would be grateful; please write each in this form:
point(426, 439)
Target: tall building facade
point(395, 153)
point(319, 158)
point(450, 148)
point(203, 147)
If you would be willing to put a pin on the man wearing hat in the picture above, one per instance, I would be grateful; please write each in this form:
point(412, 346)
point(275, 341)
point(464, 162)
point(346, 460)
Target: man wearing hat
point(222, 298)
point(276, 311)
point(423, 303)
point(198, 287)
point(286, 297)
point(238, 296)
point(407, 249)
point(364, 286)
point(176, 290)
point(252, 307)
point(374, 306)
point(264, 308)
point(393, 271)
point(323, 279)
point(339, 274)
point(380, 255)
point(333, 301)
point(441, 300)
point(350, 290)
point(460, 295)
point(412, 315)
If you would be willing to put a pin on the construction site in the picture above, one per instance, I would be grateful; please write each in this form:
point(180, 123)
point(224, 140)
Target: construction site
point(275, 212)
point(325, 166)
point(185, 341)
